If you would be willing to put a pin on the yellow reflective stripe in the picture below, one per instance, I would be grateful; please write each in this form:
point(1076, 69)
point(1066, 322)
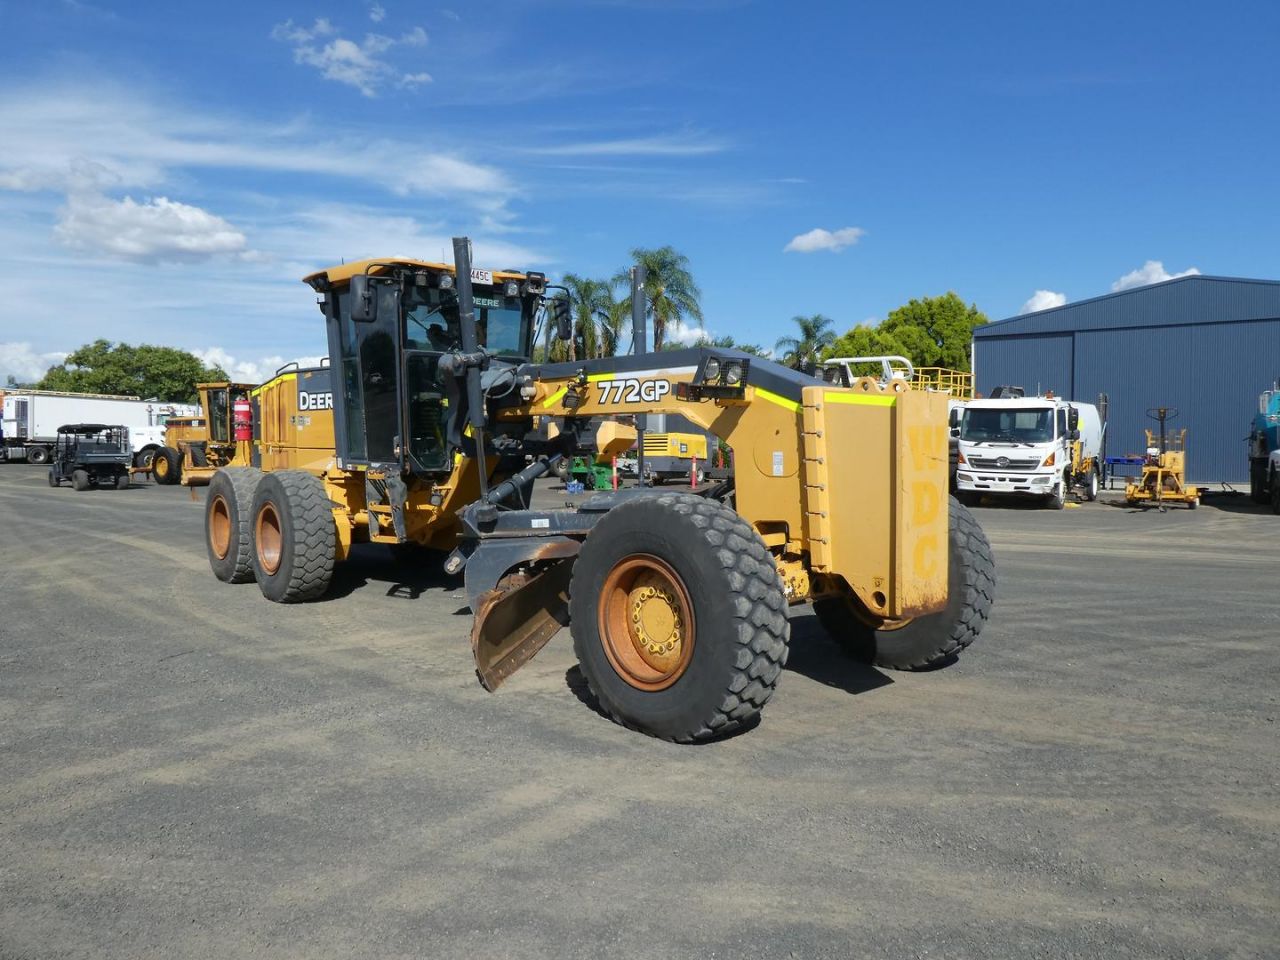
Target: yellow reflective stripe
point(869, 399)
point(552, 400)
point(780, 401)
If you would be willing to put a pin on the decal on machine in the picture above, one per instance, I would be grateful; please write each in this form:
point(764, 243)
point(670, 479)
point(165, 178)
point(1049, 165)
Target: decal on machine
point(632, 390)
point(315, 401)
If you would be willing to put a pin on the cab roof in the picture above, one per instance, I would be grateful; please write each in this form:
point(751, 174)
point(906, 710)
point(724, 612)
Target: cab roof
point(344, 272)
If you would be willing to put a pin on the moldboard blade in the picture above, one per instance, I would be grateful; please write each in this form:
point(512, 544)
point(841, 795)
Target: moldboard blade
point(515, 620)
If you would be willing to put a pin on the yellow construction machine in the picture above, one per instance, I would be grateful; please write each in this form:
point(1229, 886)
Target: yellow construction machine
point(1164, 468)
point(676, 600)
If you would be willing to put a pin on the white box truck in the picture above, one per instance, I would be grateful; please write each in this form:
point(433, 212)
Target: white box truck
point(29, 420)
point(1012, 444)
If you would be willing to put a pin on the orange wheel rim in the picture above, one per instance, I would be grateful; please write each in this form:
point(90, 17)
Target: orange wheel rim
point(646, 622)
point(267, 536)
point(220, 527)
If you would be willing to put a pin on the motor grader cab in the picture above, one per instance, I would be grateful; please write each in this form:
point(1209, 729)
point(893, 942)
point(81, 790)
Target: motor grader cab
point(194, 447)
point(676, 601)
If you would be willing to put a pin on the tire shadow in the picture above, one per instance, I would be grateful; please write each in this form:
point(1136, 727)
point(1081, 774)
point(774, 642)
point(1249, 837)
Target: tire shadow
point(373, 565)
point(816, 656)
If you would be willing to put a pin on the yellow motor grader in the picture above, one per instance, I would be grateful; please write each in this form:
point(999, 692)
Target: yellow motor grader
point(677, 601)
point(194, 447)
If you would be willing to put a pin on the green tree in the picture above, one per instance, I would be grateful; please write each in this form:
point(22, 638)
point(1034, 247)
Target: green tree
point(723, 343)
point(813, 336)
point(931, 332)
point(150, 372)
point(614, 321)
point(669, 287)
point(590, 299)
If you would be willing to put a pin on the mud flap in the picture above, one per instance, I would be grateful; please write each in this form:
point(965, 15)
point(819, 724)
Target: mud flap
point(515, 619)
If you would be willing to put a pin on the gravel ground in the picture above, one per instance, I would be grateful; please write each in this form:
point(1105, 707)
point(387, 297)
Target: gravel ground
point(187, 770)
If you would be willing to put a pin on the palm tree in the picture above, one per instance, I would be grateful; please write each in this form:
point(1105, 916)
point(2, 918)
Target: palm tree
point(801, 352)
point(669, 288)
point(614, 320)
point(590, 298)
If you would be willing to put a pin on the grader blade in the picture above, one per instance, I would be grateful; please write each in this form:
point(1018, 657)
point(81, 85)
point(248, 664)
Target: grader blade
point(515, 619)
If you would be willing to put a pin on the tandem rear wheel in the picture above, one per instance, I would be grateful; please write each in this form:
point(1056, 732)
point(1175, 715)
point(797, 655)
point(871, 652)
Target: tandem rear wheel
point(228, 512)
point(678, 617)
point(293, 536)
point(930, 640)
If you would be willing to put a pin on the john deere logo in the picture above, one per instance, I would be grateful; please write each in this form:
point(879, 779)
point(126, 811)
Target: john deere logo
point(1002, 462)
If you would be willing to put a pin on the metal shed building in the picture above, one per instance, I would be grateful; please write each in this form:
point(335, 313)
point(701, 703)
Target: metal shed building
point(1206, 345)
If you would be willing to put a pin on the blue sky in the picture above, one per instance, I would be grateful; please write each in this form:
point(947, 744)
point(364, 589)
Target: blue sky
point(169, 171)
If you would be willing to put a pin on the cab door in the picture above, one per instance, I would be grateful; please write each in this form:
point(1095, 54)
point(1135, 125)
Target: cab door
point(367, 397)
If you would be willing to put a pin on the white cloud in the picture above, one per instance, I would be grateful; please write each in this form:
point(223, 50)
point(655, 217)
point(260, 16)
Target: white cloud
point(819, 239)
point(377, 13)
point(74, 137)
point(657, 146)
point(249, 371)
point(157, 229)
point(1152, 271)
point(1043, 300)
point(681, 332)
point(20, 361)
point(361, 65)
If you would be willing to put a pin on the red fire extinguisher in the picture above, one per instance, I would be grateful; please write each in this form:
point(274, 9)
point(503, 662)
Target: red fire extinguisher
point(242, 419)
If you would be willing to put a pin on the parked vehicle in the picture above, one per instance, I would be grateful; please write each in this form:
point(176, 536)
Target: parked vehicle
point(91, 455)
point(1264, 450)
point(1040, 446)
point(29, 421)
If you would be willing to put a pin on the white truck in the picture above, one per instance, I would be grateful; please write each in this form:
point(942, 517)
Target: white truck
point(29, 421)
point(1012, 444)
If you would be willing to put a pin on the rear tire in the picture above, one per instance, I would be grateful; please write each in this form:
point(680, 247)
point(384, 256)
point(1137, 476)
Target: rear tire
point(1091, 485)
point(37, 454)
point(1275, 493)
point(80, 480)
point(1258, 491)
point(122, 481)
point(934, 639)
point(53, 479)
point(143, 458)
point(166, 466)
point(678, 617)
point(228, 514)
point(293, 537)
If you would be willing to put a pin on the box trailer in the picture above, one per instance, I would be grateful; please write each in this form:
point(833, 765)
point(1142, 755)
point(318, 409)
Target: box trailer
point(29, 420)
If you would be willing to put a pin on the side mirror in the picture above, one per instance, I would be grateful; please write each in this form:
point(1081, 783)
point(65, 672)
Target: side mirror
point(1073, 418)
point(560, 316)
point(364, 299)
point(955, 432)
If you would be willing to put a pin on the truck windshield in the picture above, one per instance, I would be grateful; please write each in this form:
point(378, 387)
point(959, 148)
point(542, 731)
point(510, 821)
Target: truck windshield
point(1013, 425)
point(431, 321)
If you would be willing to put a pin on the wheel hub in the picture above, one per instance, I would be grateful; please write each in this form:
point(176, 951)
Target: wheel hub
point(646, 622)
point(220, 527)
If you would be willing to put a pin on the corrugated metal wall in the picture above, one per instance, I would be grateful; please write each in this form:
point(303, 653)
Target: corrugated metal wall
point(1212, 372)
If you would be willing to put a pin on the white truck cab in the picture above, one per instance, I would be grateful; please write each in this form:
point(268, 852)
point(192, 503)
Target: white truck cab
point(1013, 444)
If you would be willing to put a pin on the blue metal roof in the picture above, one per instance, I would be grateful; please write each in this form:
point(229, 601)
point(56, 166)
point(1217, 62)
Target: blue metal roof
point(1184, 300)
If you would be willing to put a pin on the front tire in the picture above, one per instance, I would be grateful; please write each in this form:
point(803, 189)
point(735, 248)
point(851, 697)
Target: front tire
point(228, 513)
point(166, 466)
point(936, 638)
point(294, 545)
point(678, 617)
point(1091, 485)
point(53, 479)
point(1275, 493)
point(1058, 499)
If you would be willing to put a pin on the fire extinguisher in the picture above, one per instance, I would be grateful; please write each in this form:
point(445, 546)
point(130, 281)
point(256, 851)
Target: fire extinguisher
point(242, 419)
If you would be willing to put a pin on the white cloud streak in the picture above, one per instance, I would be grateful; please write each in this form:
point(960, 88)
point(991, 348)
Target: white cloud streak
point(1043, 300)
point(657, 146)
point(1152, 271)
point(364, 65)
point(820, 239)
